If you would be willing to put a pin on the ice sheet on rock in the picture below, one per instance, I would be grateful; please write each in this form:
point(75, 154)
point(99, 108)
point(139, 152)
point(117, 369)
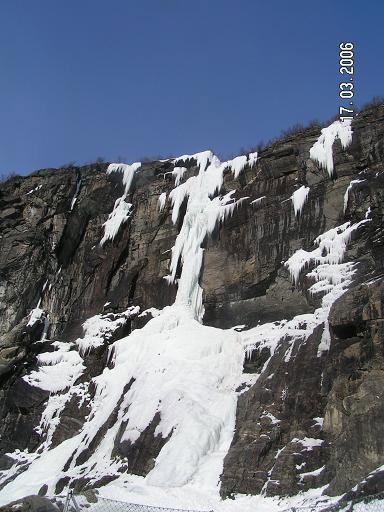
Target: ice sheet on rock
point(201, 159)
point(237, 164)
point(74, 198)
point(178, 173)
point(321, 151)
point(162, 199)
point(315, 472)
point(331, 279)
point(128, 171)
point(99, 328)
point(349, 188)
point(34, 190)
point(319, 421)
point(57, 370)
point(176, 368)
point(119, 215)
point(204, 210)
point(252, 159)
point(121, 210)
point(35, 315)
point(150, 311)
point(330, 249)
point(298, 198)
point(331, 276)
point(258, 200)
point(309, 443)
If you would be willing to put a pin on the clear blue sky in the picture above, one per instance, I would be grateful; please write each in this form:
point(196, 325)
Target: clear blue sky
point(87, 78)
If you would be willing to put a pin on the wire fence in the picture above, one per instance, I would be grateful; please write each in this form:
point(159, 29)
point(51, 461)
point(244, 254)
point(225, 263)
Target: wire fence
point(91, 502)
point(373, 503)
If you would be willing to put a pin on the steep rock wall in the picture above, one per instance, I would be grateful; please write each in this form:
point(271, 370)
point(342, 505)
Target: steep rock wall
point(304, 420)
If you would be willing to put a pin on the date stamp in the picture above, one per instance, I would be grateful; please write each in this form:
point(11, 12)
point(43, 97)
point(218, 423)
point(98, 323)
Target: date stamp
point(346, 68)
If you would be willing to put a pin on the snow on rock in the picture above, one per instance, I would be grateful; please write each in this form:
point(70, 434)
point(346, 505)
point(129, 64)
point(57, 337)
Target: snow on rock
point(74, 199)
point(201, 159)
point(318, 421)
point(35, 315)
point(349, 188)
point(99, 328)
point(309, 443)
point(258, 200)
point(121, 210)
point(315, 472)
point(298, 198)
point(186, 372)
point(150, 311)
point(331, 276)
point(162, 199)
point(237, 165)
point(321, 151)
point(57, 370)
point(331, 279)
point(34, 190)
point(331, 248)
point(252, 159)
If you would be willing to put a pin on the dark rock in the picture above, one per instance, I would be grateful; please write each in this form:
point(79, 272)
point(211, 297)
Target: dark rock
point(31, 504)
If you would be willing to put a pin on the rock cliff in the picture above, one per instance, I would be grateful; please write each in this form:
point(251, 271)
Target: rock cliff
point(230, 313)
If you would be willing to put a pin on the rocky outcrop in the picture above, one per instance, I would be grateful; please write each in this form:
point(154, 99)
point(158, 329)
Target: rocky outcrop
point(310, 419)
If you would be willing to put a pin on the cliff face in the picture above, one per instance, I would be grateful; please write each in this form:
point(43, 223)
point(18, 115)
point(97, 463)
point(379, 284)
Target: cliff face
point(300, 380)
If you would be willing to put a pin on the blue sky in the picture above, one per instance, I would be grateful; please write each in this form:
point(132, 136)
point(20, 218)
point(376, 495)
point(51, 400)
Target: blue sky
point(83, 79)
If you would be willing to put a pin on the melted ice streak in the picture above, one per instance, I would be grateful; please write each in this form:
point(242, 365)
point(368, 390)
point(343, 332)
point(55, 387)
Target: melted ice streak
point(121, 210)
point(298, 199)
point(321, 151)
point(349, 188)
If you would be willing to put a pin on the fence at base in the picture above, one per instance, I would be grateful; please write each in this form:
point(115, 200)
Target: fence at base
point(89, 501)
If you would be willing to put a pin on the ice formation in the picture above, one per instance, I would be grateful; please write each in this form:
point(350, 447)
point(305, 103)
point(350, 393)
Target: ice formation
point(74, 198)
point(321, 151)
point(258, 200)
point(298, 198)
point(162, 199)
point(121, 210)
point(349, 188)
point(34, 190)
point(174, 366)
